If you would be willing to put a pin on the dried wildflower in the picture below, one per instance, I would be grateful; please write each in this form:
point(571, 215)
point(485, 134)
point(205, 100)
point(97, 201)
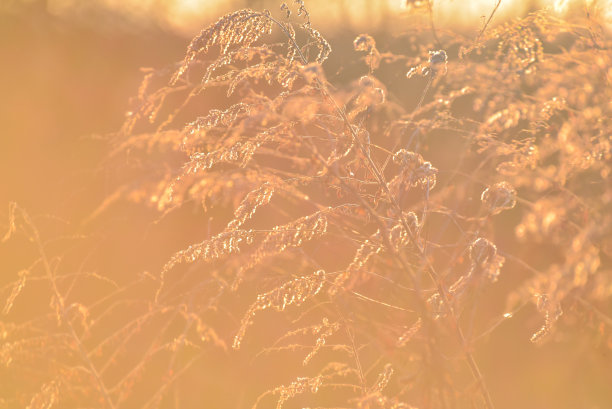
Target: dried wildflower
point(485, 259)
point(254, 134)
point(499, 197)
point(313, 73)
point(372, 91)
point(302, 10)
point(426, 175)
point(284, 7)
point(323, 47)
point(407, 159)
point(364, 42)
point(437, 57)
point(482, 251)
point(398, 236)
point(437, 63)
point(551, 310)
point(414, 171)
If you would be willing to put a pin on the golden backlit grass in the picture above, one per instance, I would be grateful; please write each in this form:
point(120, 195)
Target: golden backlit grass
point(428, 226)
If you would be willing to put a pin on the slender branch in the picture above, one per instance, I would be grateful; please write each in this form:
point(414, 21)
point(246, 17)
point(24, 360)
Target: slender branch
point(63, 312)
point(488, 20)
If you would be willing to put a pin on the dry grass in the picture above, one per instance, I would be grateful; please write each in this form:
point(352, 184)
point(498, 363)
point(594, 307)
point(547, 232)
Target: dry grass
point(355, 246)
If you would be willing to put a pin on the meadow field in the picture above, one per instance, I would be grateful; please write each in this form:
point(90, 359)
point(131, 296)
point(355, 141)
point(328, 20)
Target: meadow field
point(299, 204)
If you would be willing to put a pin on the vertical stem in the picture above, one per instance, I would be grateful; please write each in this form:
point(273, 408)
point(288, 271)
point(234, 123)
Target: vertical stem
point(381, 181)
point(488, 21)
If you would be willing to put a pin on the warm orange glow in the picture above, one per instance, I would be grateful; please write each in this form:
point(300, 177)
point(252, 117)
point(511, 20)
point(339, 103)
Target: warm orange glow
point(188, 16)
point(382, 207)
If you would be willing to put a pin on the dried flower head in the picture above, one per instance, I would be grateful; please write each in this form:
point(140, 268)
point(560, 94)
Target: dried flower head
point(364, 42)
point(551, 309)
point(482, 251)
point(437, 61)
point(499, 197)
point(312, 73)
point(398, 236)
point(372, 91)
point(414, 171)
point(485, 259)
point(437, 57)
point(407, 159)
